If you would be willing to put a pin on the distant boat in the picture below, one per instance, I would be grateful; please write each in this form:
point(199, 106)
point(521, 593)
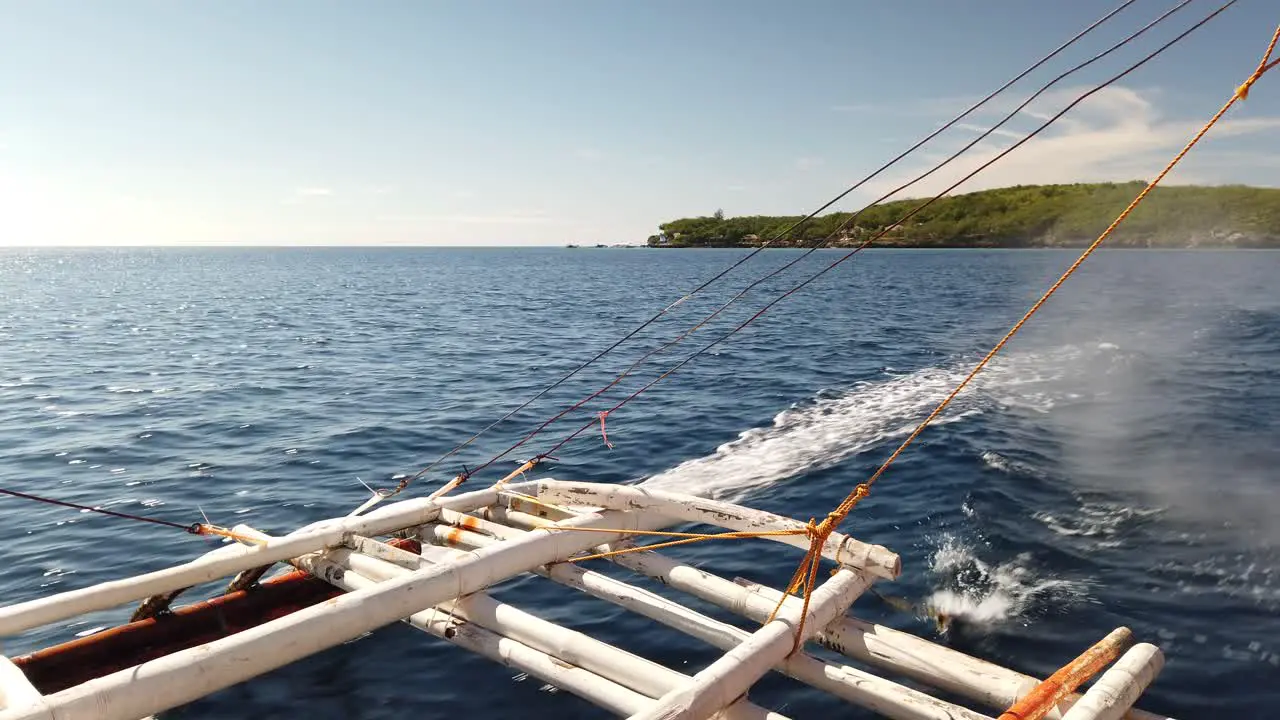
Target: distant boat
point(571, 245)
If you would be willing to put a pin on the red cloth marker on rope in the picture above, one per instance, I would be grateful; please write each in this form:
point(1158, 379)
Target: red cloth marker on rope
point(603, 433)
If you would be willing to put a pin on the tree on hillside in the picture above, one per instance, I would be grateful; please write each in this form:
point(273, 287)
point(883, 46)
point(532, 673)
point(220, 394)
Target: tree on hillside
point(1022, 216)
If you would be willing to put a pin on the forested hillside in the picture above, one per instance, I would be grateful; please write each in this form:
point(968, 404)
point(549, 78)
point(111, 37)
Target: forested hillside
point(1021, 216)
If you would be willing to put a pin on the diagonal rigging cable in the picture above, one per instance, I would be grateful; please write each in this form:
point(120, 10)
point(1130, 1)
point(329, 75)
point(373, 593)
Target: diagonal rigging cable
point(1112, 80)
point(843, 226)
point(805, 575)
point(405, 482)
point(95, 509)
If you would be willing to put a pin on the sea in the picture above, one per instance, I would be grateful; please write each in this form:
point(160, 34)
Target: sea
point(1116, 465)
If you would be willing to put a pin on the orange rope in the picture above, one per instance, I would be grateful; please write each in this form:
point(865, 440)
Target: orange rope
point(685, 538)
point(207, 529)
point(807, 571)
point(673, 543)
point(805, 577)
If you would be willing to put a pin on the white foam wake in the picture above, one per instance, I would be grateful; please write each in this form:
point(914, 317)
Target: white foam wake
point(982, 594)
point(825, 431)
point(817, 434)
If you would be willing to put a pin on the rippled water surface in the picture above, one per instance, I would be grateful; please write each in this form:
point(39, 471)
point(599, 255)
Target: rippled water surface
point(1118, 466)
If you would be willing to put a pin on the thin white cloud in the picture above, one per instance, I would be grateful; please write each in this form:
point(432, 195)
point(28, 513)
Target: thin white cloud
point(588, 154)
point(1115, 135)
point(998, 132)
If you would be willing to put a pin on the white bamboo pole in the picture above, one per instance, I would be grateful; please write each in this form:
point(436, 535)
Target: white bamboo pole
point(757, 602)
point(580, 681)
point(720, 683)
point(626, 669)
point(568, 646)
point(184, 676)
point(935, 665)
point(544, 512)
point(16, 691)
point(228, 561)
point(1120, 686)
point(940, 667)
point(877, 560)
point(885, 697)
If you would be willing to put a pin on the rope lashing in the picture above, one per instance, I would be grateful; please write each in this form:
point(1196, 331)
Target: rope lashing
point(1242, 92)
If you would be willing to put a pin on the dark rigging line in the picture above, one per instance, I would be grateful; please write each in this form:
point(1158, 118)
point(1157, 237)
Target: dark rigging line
point(904, 218)
point(195, 528)
point(785, 233)
point(844, 225)
point(100, 511)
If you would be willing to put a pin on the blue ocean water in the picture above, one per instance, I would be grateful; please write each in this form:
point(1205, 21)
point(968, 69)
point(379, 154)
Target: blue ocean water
point(1117, 466)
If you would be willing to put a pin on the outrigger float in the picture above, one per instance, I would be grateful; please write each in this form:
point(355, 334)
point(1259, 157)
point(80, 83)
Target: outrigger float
point(428, 562)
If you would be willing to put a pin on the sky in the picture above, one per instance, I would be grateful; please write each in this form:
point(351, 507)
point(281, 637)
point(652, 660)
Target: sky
point(527, 122)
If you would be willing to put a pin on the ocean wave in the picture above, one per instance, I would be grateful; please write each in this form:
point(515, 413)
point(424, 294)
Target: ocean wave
point(985, 594)
point(816, 434)
point(830, 428)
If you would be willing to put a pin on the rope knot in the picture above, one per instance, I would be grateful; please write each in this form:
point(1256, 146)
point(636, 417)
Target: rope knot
point(818, 532)
point(1242, 92)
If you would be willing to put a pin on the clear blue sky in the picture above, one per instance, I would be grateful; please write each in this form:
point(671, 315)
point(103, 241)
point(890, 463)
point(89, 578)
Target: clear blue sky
point(553, 121)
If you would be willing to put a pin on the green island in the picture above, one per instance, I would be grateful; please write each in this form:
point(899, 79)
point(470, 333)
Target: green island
point(1024, 216)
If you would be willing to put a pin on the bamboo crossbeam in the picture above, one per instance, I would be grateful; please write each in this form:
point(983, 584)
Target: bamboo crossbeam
point(885, 697)
point(938, 666)
point(1120, 686)
point(738, 669)
point(634, 672)
point(228, 561)
point(877, 560)
point(1045, 696)
point(495, 646)
point(190, 674)
point(486, 536)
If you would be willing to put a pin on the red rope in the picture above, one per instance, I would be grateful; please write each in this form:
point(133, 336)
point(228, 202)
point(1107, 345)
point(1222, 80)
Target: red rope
point(194, 529)
point(603, 432)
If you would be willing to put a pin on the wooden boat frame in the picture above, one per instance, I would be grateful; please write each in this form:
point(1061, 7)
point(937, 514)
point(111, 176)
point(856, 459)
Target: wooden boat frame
point(472, 541)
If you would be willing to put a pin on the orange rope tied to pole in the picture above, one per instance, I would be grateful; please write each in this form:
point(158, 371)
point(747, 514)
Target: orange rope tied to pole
point(685, 539)
point(208, 529)
point(819, 532)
